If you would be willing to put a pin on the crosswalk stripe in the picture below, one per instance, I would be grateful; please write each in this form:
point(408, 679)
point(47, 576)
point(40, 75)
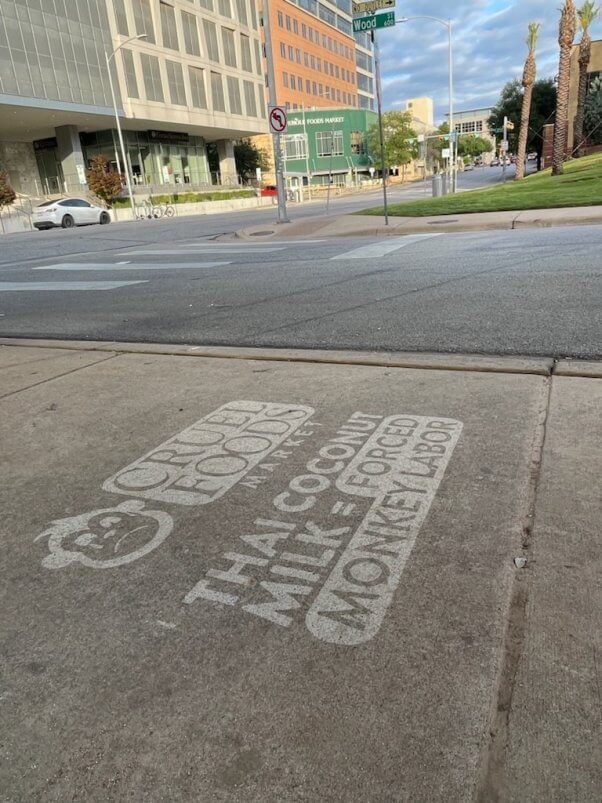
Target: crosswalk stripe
point(36, 286)
point(96, 266)
point(384, 247)
point(200, 251)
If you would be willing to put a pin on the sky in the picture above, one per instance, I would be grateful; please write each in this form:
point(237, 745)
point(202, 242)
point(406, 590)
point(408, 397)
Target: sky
point(489, 50)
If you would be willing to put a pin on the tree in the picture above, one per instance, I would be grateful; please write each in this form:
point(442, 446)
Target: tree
point(104, 183)
point(401, 142)
point(543, 105)
point(593, 113)
point(529, 76)
point(248, 158)
point(566, 37)
point(7, 194)
point(586, 14)
point(471, 145)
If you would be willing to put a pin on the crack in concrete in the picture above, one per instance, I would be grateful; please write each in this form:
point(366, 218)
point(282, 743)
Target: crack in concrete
point(493, 782)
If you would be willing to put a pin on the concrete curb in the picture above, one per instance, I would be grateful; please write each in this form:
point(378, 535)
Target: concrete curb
point(358, 226)
point(540, 366)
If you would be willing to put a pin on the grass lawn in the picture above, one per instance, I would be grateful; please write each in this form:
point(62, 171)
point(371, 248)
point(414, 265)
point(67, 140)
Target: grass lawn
point(581, 185)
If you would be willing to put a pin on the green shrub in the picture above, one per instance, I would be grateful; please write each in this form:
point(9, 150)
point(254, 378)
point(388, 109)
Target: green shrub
point(192, 197)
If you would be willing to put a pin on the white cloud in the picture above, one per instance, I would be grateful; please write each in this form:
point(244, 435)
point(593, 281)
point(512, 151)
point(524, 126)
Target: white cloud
point(489, 49)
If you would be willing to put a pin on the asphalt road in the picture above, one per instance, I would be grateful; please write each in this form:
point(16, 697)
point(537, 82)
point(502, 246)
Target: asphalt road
point(534, 292)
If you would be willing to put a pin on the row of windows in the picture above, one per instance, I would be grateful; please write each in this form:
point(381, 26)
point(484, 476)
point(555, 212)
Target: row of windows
point(294, 54)
point(470, 128)
point(143, 24)
point(328, 143)
point(313, 35)
point(313, 7)
point(298, 84)
point(45, 55)
point(194, 95)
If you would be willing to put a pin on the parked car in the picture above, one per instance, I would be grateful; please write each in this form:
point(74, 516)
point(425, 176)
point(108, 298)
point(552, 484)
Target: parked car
point(68, 212)
point(469, 166)
point(495, 162)
point(532, 157)
point(269, 191)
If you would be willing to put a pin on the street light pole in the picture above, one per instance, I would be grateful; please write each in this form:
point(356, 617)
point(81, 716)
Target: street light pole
point(108, 58)
point(278, 155)
point(452, 134)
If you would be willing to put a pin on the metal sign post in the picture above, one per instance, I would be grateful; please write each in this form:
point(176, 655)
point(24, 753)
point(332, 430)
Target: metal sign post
point(276, 133)
point(379, 98)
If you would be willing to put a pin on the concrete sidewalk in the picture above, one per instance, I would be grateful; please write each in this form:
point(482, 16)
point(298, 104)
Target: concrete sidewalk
point(297, 576)
point(369, 225)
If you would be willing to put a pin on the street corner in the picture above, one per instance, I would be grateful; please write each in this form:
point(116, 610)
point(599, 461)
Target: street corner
point(259, 562)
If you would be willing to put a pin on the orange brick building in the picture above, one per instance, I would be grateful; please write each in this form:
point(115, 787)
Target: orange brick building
point(318, 61)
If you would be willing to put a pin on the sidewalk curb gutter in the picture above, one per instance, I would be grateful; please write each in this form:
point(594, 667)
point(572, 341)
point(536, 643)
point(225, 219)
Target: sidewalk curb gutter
point(369, 226)
point(476, 363)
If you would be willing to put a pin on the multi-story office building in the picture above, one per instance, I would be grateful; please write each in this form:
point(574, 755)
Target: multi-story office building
point(318, 60)
point(195, 78)
point(474, 121)
point(423, 114)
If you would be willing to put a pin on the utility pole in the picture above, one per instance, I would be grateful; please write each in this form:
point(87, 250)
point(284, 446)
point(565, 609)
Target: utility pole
point(278, 157)
point(384, 166)
point(504, 140)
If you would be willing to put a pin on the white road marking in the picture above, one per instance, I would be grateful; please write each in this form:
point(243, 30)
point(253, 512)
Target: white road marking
point(384, 247)
point(199, 251)
point(7, 287)
point(121, 266)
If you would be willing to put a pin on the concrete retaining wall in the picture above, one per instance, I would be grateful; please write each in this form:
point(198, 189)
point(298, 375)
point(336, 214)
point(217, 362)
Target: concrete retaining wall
point(205, 208)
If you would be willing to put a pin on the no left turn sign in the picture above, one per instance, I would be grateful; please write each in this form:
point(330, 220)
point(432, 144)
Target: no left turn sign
point(278, 119)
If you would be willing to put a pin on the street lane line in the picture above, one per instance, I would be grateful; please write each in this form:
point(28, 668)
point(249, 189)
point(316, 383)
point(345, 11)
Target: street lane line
point(7, 287)
point(120, 266)
point(382, 248)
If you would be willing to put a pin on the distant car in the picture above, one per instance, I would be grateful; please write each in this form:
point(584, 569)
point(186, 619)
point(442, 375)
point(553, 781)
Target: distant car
point(68, 212)
point(532, 157)
point(269, 191)
point(468, 166)
point(495, 162)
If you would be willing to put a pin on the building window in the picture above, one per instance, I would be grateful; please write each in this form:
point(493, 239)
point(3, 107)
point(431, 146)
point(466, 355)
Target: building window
point(175, 81)
point(121, 18)
point(217, 92)
point(329, 143)
point(288, 23)
point(197, 87)
point(168, 27)
point(285, 79)
point(208, 4)
point(234, 95)
point(295, 27)
point(258, 62)
point(304, 30)
point(291, 53)
point(298, 56)
point(191, 34)
point(294, 146)
point(211, 40)
point(283, 50)
point(143, 19)
point(306, 59)
point(250, 104)
point(241, 7)
point(152, 77)
point(280, 20)
point(224, 8)
point(130, 73)
point(229, 47)
point(293, 83)
point(308, 86)
point(245, 52)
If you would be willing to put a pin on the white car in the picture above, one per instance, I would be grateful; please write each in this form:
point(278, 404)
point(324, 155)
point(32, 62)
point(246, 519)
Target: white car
point(68, 212)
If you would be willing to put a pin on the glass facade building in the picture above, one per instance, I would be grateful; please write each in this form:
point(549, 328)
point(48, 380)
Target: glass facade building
point(192, 76)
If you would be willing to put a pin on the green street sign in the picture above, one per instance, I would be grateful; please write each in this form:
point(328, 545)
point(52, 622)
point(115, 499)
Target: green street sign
point(374, 21)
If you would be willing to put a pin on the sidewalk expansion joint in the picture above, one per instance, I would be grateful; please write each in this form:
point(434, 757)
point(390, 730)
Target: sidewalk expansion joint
point(493, 786)
point(57, 376)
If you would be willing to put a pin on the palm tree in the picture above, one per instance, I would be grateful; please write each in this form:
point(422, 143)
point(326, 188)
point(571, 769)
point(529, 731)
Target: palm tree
point(566, 36)
point(588, 12)
point(529, 76)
